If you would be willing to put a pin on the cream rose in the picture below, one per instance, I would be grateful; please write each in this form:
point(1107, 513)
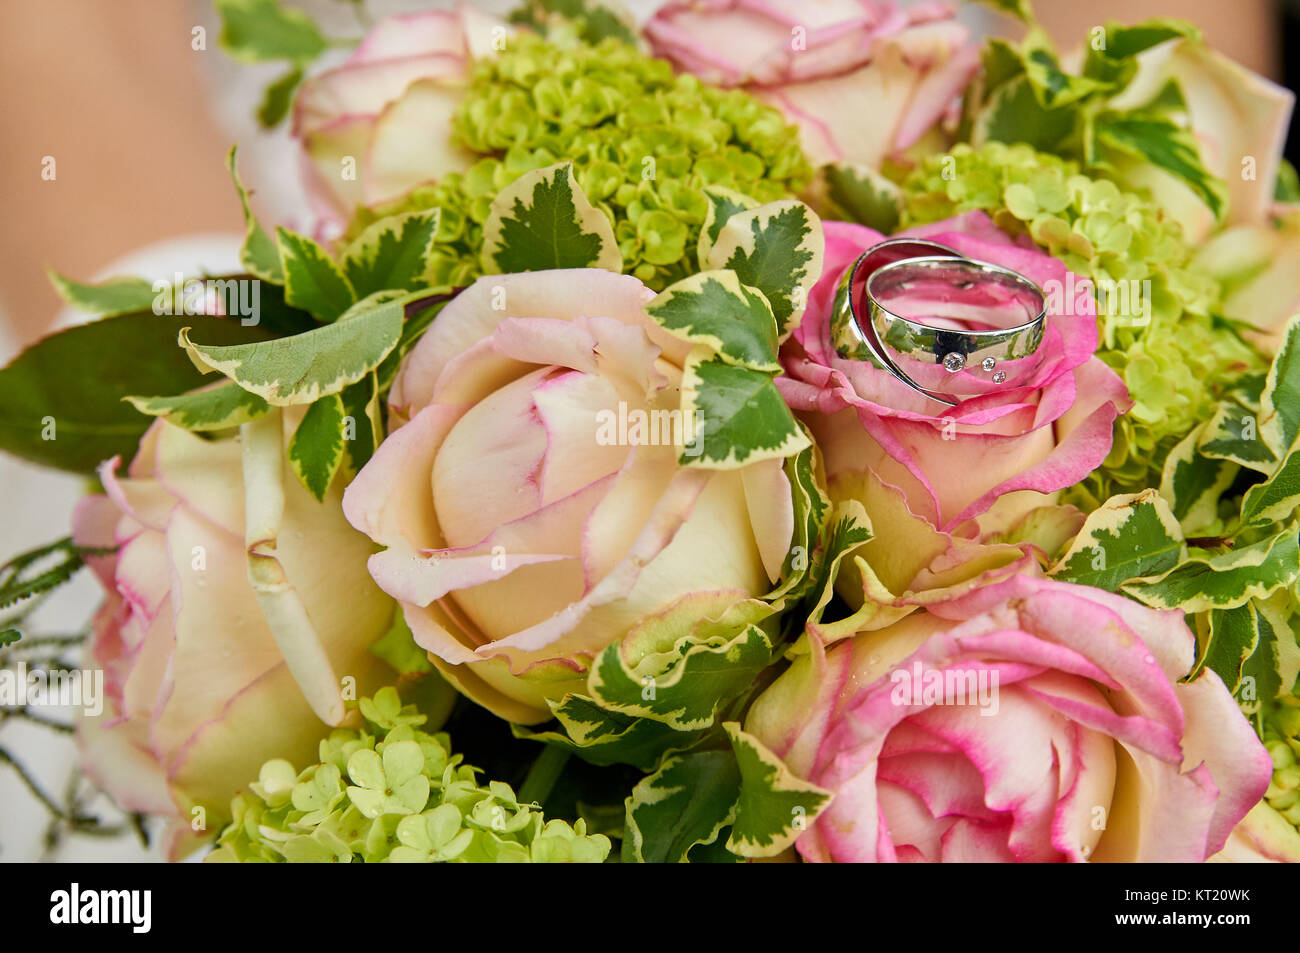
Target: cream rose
point(199, 692)
point(532, 506)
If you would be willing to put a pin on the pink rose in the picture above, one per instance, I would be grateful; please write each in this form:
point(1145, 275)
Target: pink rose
point(991, 457)
point(380, 124)
point(1030, 720)
point(864, 80)
point(198, 691)
point(529, 520)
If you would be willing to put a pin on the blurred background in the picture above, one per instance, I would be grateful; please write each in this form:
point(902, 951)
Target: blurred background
point(133, 106)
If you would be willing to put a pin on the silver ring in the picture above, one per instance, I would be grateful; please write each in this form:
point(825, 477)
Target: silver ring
point(909, 339)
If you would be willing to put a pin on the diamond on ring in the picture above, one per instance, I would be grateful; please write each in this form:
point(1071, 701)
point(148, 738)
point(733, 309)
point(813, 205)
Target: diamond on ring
point(954, 362)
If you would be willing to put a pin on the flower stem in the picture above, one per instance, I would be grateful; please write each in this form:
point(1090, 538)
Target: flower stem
point(542, 775)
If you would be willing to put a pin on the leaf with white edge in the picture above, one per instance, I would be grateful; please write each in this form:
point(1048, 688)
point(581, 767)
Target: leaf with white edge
point(1280, 402)
point(864, 196)
point(775, 806)
point(776, 248)
point(1275, 664)
point(1225, 580)
point(714, 309)
point(1233, 637)
point(255, 31)
point(1192, 484)
point(688, 801)
point(811, 506)
point(723, 203)
point(258, 253)
point(742, 416)
point(703, 675)
point(603, 737)
point(303, 368)
point(393, 253)
point(543, 221)
point(362, 423)
point(107, 298)
point(1022, 10)
point(1168, 146)
point(312, 281)
point(1128, 537)
point(1234, 434)
point(216, 408)
point(316, 449)
point(1277, 497)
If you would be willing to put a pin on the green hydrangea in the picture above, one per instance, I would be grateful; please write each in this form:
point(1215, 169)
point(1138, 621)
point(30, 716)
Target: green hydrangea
point(1174, 353)
point(391, 792)
point(644, 144)
point(1282, 738)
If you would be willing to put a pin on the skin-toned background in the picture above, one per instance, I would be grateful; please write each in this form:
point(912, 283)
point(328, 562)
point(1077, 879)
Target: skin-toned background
point(114, 91)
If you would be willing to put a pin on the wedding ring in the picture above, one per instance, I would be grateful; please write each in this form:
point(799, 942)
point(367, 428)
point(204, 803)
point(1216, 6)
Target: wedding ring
point(948, 326)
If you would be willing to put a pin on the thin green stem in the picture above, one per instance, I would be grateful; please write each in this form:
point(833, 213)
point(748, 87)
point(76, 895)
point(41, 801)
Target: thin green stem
point(546, 770)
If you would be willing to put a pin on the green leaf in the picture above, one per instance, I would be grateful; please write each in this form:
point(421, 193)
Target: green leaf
point(740, 413)
point(37, 571)
point(686, 802)
point(277, 97)
point(1225, 580)
point(1287, 189)
point(1192, 484)
point(1014, 114)
point(1275, 663)
point(1277, 497)
point(1233, 638)
point(216, 408)
point(311, 279)
point(1116, 61)
point(811, 506)
point(715, 309)
point(1234, 434)
point(723, 203)
point(1052, 86)
point(393, 253)
point(1280, 401)
point(61, 399)
point(603, 737)
point(543, 221)
point(303, 368)
point(774, 807)
point(361, 410)
point(1164, 143)
point(1129, 536)
point(705, 671)
point(397, 647)
point(316, 449)
point(864, 196)
point(254, 31)
point(594, 19)
point(108, 298)
point(258, 253)
point(776, 248)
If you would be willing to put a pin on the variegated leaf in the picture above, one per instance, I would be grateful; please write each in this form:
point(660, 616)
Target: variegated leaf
point(258, 253)
point(543, 221)
point(714, 309)
point(216, 408)
point(776, 248)
point(312, 281)
point(739, 412)
point(107, 298)
point(774, 806)
point(303, 368)
point(393, 253)
point(723, 203)
point(316, 450)
point(1192, 484)
point(1128, 537)
point(1225, 580)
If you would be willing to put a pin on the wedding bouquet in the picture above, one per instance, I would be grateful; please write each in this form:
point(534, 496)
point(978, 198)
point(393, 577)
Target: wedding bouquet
point(583, 484)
